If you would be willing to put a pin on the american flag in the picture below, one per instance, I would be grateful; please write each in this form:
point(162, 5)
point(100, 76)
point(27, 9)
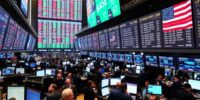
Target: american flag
point(177, 17)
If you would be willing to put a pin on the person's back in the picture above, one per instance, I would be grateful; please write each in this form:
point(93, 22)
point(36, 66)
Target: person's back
point(54, 96)
point(118, 95)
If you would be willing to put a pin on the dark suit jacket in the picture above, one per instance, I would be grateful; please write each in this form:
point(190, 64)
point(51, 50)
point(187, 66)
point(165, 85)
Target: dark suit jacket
point(116, 94)
point(54, 96)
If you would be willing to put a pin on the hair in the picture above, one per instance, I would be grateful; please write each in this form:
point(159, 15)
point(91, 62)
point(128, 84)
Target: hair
point(186, 86)
point(54, 86)
point(66, 94)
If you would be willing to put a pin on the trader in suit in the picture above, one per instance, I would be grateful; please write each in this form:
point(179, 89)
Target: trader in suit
point(53, 94)
point(119, 93)
point(69, 85)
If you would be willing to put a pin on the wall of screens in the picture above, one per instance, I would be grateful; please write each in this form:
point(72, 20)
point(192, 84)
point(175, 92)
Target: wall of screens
point(12, 35)
point(31, 43)
point(58, 21)
point(56, 34)
point(172, 28)
point(24, 7)
point(99, 11)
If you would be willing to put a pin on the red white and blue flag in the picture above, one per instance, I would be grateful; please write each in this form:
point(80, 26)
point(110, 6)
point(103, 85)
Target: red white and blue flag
point(177, 17)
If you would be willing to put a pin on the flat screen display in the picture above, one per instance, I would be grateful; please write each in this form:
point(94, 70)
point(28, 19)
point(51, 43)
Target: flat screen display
point(195, 84)
point(165, 61)
point(20, 70)
point(20, 39)
point(99, 11)
point(8, 71)
point(129, 34)
point(151, 30)
point(95, 40)
point(40, 73)
point(114, 38)
point(121, 57)
point(151, 60)
point(90, 43)
point(57, 34)
point(2, 55)
point(103, 39)
point(19, 95)
point(105, 91)
point(9, 55)
point(155, 89)
point(32, 95)
point(190, 64)
point(109, 56)
point(177, 25)
point(114, 81)
point(104, 82)
point(128, 58)
point(24, 7)
point(3, 25)
point(31, 43)
point(115, 56)
point(138, 59)
point(50, 72)
point(132, 88)
point(60, 9)
point(10, 35)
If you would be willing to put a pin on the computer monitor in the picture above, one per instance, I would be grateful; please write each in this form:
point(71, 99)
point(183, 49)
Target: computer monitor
point(151, 60)
point(20, 70)
point(113, 81)
point(8, 71)
point(165, 61)
point(195, 84)
point(32, 94)
point(122, 76)
point(40, 73)
point(128, 66)
point(155, 89)
point(138, 69)
point(105, 91)
point(132, 88)
point(16, 92)
point(50, 72)
point(197, 76)
point(104, 82)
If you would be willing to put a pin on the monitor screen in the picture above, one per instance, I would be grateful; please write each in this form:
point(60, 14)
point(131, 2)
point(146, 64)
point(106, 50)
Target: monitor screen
point(151, 30)
point(16, 92)
point(121, 57)
point(3, 25)
point(87, 69)
point(31, 43)
point(177, 22)
point(186, 63)
point(8, 71)
point(132, 88)
point(56, 34)
point(60, 9)
point(99, 11)
point(20, 39)
point(128, 58)
point(51, 72)
point(122, 76)
point(138, 59)
point(114, 57)
point(32, 95)
point(109, 56)
point(105, 91)
point(104, 82)
point(103, 39)
point(10, 34)
point(24, 7)
point(114, 38)
point(20, 70)
point(130, 34)
point(151, 60)
point(155, 89)
point(40, 73)
point(104, 55)
point(113, 81)
point(165, 61)
point(32, 65)
point(195, 84)
point(2, 55)
point(9, 55)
